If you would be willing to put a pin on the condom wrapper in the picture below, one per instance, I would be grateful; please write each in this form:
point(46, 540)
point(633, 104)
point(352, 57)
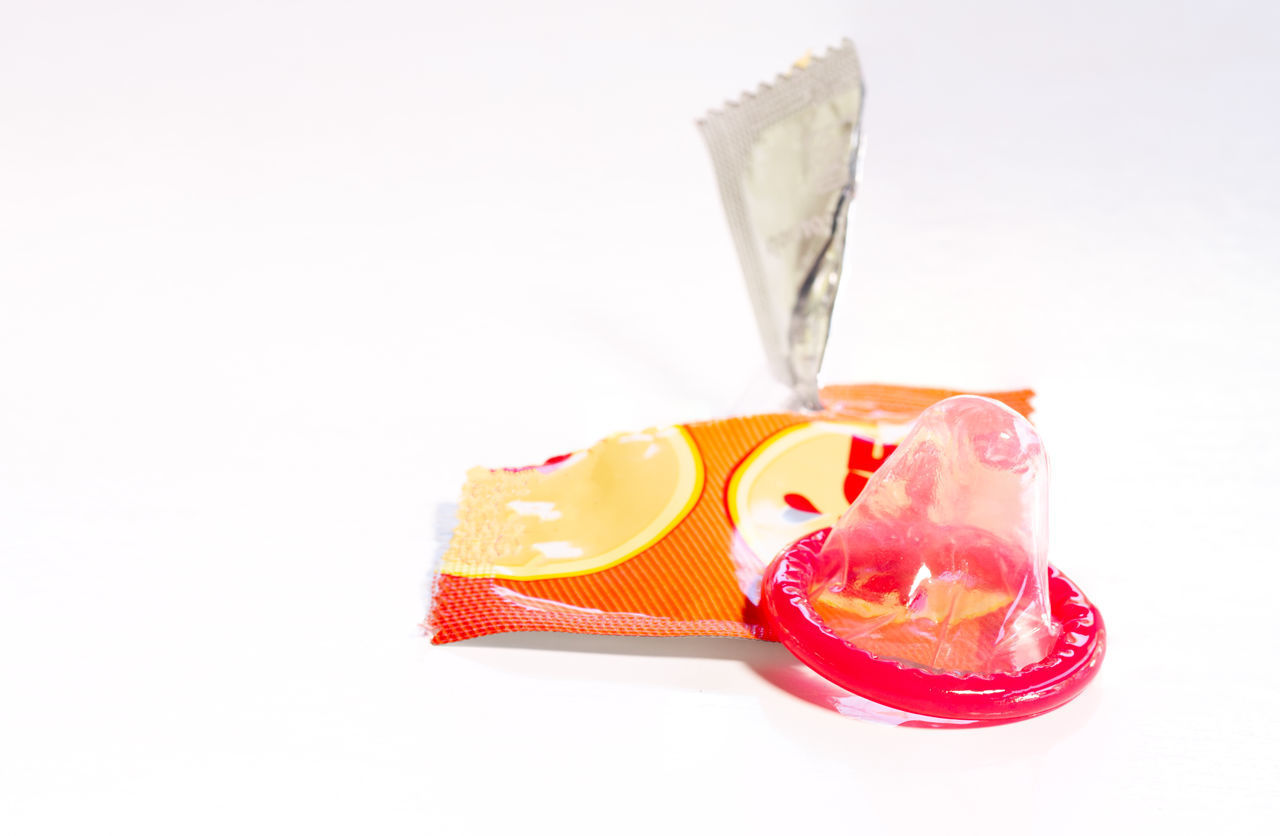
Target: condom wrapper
point(933, 592)
point(786, 159)
point(664, 532)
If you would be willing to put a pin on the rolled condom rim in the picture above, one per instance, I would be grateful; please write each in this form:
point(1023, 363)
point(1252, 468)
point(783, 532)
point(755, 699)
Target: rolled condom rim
point(1072, 661)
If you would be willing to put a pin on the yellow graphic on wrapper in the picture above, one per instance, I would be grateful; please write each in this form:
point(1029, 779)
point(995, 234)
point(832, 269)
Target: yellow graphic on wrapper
point(592, 511)
point(811, 460)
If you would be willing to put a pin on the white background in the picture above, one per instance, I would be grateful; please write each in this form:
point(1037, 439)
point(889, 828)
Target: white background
point(274, 275)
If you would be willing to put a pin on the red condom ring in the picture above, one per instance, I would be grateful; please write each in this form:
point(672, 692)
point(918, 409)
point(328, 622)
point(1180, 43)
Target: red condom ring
point(1071, 664)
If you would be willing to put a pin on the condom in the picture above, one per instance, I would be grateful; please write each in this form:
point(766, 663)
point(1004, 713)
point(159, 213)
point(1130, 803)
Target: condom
point(933, 592)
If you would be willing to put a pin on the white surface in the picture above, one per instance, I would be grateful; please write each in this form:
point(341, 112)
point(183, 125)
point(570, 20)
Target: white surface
point(272, 276)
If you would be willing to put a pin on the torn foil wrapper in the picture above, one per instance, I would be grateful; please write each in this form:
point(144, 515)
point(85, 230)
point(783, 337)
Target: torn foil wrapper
point(786, 161)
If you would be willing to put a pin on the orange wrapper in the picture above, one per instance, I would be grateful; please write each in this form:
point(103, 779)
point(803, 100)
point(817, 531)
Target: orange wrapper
point(664, 532)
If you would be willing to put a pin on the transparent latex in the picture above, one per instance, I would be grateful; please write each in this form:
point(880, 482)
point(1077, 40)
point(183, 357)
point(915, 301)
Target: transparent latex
point(942, 561)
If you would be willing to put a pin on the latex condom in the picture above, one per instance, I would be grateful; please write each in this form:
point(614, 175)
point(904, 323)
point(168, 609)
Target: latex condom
point(933, 593)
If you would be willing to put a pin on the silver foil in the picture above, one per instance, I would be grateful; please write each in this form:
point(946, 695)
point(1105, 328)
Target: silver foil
point(786, 161)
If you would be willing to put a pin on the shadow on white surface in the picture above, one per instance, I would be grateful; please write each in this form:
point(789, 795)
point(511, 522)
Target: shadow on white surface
point(691, 647)
point(769, 661)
